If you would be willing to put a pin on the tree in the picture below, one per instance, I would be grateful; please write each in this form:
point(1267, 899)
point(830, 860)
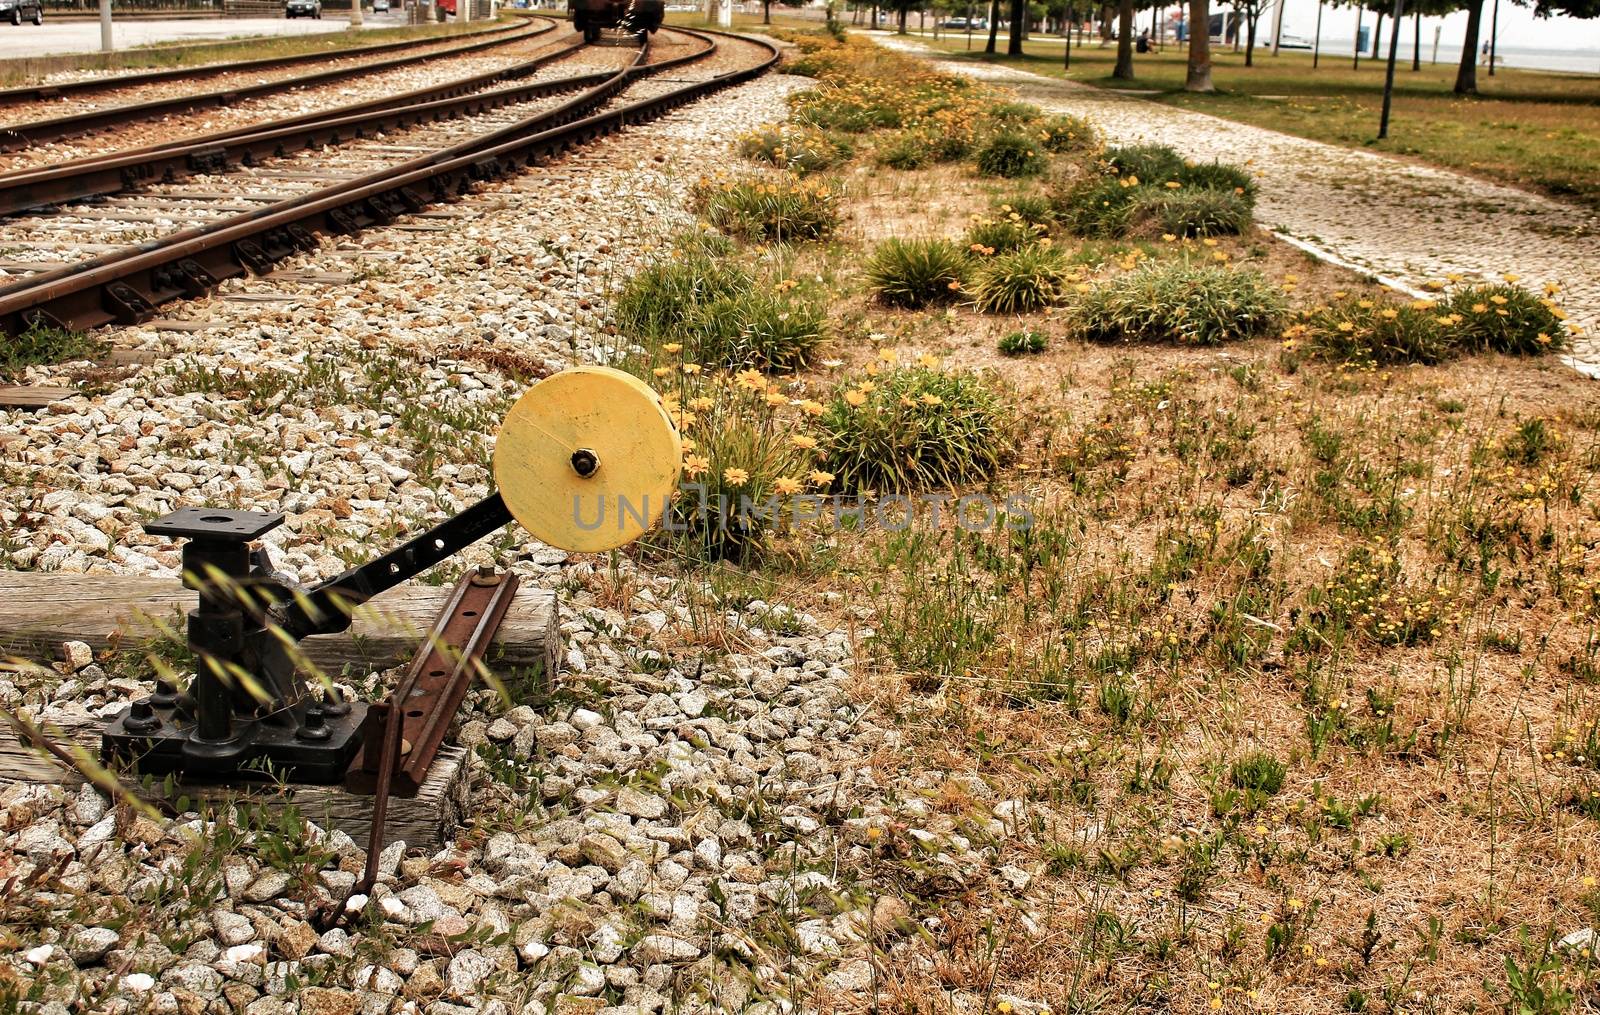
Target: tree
point(1250, 11)
point(1199, 79)
point(994, 25)
point(1124, 69)
point(1019, 16)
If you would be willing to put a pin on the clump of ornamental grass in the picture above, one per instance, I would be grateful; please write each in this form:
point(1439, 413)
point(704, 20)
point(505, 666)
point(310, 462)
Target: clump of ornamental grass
point(775, 208)
point(1023, 343)
point(1506, 318)
point(665, 294)
point(1151, 188)
point(761, 329)
point(1371, 328)
point(742, 466)
point(1190, 211)
point(1027, 207)
point(794, 147)
point(1148, 162)
point(1011, 154)
point(1361, 329)
point(1020, 281)
point(1065, 133)
point(924, 145)
point(1009, 231)
point(1098, 207)
point(913, 428)
point(1015, 114)
point(916, 272)
point(1176, 301)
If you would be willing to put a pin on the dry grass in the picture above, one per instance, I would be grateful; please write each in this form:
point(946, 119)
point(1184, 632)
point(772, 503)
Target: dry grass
point(1169, 617)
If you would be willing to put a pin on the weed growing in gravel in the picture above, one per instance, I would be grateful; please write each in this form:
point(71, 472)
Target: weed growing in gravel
point(1151, 189)
point(40, 344)
point(1177, 301)
point(916, 273)
point(1065, 133)
point(769, 208)
point(913, 428)
point(1192, 211)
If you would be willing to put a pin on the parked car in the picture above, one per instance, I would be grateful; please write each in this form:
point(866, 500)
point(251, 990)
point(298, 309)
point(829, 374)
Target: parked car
point(956, 23)
point(380, 6)
point(303, 9)
point(15, 10)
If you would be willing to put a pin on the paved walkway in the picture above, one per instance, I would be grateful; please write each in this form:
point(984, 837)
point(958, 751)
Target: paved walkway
point(54, 37)
point(1405, 222)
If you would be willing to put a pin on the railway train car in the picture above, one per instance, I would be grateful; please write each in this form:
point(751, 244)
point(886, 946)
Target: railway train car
point(634, 16)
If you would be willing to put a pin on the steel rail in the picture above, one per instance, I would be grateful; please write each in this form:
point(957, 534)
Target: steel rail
point(227, 150)
point(21, 135)
point(112, 82)
point(129, 286)
point(608, 84)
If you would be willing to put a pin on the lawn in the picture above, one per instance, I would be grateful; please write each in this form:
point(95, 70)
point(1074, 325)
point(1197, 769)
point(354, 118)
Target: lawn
point(1527, 128)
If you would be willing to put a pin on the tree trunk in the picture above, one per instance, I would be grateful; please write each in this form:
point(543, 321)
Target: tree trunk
point(1066, 32)
point(766, 12)
point(1250, 37)
point(1105, 25)
point(901, 29)
point(994, 25)
point(1199, 79)
point(1416, 42)
point(1377, 38)
point(1019, 11)
point(1124, 70)
point(1467, 73)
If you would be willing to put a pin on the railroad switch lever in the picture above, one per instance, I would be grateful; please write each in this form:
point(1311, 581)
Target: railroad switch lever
point(586, 460)
point(247, 708)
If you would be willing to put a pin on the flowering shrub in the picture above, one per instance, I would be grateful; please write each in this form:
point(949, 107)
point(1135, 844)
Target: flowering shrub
point(1507, 318)
point(1151, 188)
point(1360, 329)
point(1175, 301)
point(1483, 318)
point(794, 147)
point(913, 427)
point(1190, 211)
point(741, 458)
point(780, 209)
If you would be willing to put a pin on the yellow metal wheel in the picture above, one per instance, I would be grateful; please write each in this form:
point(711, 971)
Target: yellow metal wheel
point(587, 459)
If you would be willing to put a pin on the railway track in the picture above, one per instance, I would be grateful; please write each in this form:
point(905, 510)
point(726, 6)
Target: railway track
point(150, 102)
point(114, 171)
point(206, 237)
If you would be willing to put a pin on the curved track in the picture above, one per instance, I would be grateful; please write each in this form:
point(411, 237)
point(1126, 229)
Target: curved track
point(178, 99)
point(128, 283)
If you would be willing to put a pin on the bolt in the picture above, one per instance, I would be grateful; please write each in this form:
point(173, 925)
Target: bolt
point(585, 462)
point(314, 727)
point(165, 696)
point(141, 717)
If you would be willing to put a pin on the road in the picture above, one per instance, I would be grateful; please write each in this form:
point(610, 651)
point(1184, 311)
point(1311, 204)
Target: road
point(54, 37)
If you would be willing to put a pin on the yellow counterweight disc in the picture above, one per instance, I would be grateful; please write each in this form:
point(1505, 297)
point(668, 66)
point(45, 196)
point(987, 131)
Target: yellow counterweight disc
point(587, 459)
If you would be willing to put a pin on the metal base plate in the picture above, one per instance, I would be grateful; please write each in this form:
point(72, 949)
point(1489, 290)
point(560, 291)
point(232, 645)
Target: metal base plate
point(164, 743)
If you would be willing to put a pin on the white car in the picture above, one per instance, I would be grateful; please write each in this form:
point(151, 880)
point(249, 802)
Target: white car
point(380, 6)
